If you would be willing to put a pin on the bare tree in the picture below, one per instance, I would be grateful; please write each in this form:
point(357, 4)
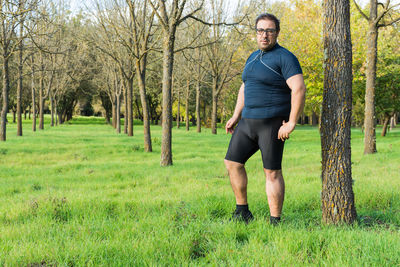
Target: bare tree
point(337, 193)
point(11, 14)
point(375, 20)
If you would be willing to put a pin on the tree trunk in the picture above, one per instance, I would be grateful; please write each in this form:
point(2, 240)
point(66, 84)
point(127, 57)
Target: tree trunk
point(41, 94)
point(14, 113)
point(55, 110)
point(198, 117)
point(205, 112)
point(314, 118)
point(114, 111)
point(187, 104)
point(19, 86)
point(52, 110)
point(369, 116)
point(118, 113)
point(392, 119)
point(126, 110)
point(33, 97)
point(214, 113)
point(130, 107)
point(178, 114)
point(337, 194)
point(141, 70)
point(385, 124)
point(6, 85)
point(168, 61)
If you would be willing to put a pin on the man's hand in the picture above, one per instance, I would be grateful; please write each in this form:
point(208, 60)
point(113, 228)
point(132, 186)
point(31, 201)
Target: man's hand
point(285, 130)
point(230, 125)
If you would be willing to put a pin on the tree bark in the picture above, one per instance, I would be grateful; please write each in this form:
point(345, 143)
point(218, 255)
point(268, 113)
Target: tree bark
point(118, 113)
point(141, 70)
point(168, 61)
point(52, 110)
point(33, 96)
point(385, 124)
point(6, 86)
point(392, 122)
point(114, 111)
point(178, 113)
point(126, 110)
point(198, 117)
point(41, 94)
point(20, 74)
point(187, 104)
point(369, 117)
point(214, 113)
point(130, 107)
point(337, 194)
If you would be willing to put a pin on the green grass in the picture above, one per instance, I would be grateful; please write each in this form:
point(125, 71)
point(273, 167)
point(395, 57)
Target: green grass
point(80, 194)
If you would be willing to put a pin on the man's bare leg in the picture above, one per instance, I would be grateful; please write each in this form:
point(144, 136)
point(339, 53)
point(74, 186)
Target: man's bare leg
point(238, 178)
point(275, 189)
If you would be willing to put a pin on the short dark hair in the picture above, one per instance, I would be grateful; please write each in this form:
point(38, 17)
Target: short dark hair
point(268, 16)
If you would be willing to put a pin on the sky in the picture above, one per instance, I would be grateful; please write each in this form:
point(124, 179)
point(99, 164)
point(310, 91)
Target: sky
point(77, 4)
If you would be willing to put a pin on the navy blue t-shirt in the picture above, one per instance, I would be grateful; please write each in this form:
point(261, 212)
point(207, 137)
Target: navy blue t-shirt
point(266, 94)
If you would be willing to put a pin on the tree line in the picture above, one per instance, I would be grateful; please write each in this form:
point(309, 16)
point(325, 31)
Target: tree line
point(160, 61)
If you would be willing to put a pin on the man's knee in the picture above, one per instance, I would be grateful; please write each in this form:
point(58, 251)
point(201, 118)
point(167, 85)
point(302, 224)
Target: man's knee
point(233, 166)
point(273, 175)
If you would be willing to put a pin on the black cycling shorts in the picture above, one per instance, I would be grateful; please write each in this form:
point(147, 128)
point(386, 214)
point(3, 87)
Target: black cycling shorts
point(253, 134)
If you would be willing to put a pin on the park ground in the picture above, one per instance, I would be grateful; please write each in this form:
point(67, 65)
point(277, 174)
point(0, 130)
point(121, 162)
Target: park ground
point(81, 195)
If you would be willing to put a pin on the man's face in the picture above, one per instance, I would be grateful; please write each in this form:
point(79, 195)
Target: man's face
point(266, 40)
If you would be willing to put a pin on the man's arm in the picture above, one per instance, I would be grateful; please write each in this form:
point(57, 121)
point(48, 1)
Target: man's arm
point(296, 84)
point(230, 124)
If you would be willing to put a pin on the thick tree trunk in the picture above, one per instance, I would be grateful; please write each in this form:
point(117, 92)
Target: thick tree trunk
point(369, 115)
point(337, 194)
point(168, 61)
point(187, 104)
point(141, 70)
point(385, 124)
point(198, 117)
point(4, 110)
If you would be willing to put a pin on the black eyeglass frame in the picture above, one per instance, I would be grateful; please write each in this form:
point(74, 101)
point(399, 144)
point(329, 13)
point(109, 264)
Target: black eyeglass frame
point(269, 31)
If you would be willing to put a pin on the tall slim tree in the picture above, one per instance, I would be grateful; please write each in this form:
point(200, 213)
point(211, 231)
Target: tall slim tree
point(10, 15)
point(375, 20)
point(337, 194)
point(169, 22)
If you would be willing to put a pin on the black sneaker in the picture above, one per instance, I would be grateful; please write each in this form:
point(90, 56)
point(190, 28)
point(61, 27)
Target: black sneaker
point(242, 216)
point(274, 220)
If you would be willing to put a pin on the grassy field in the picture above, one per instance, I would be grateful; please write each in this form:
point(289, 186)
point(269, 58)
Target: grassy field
point(80, 195)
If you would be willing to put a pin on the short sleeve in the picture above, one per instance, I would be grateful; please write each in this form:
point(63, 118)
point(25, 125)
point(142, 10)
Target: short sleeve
point(290, 65)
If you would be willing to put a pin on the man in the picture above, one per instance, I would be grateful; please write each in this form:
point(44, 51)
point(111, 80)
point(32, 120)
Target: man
point(270, 101)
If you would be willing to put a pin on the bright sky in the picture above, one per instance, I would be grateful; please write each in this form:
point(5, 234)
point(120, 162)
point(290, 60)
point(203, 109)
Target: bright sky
point(77, 4)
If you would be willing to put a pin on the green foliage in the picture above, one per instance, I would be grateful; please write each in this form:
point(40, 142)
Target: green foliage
point(78, 194)
point(388, 77)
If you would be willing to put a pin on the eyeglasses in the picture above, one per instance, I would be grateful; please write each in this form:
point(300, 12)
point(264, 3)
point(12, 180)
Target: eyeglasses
point(260, 31)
